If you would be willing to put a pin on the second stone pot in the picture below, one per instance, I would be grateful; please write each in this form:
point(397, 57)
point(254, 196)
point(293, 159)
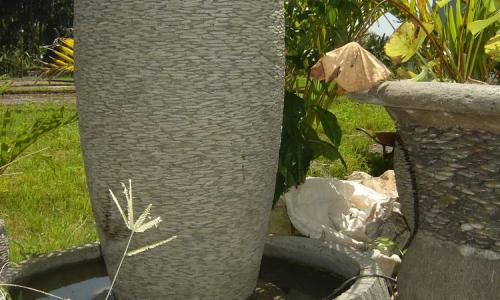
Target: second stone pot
point(447, 166)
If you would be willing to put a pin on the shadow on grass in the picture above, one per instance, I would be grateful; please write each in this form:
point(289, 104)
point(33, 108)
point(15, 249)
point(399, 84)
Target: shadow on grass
point(376, 163)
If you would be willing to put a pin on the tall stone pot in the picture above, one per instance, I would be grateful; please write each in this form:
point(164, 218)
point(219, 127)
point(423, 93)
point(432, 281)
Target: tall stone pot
point(185, 98)
point(447, 167)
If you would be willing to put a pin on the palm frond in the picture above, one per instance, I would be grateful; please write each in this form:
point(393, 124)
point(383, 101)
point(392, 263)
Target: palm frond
point(62, 60)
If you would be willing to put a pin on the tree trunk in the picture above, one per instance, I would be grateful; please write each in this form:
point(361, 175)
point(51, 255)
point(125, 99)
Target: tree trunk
point(184, 98)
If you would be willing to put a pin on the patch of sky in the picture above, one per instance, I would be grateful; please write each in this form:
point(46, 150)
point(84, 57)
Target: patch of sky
point(385, 25)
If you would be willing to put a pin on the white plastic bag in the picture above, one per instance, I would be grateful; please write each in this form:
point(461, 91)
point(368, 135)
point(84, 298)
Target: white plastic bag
point(327, 206)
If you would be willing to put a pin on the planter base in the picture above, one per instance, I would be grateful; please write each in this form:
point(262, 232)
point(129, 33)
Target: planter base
point(342, 261)
point(463, 272)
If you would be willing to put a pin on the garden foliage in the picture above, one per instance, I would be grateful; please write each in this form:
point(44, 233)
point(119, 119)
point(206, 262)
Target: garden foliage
point(450, 39)
point(12, 145)
point(300, 143)
point(61, 58)
point(27, 24)
point(312, 28)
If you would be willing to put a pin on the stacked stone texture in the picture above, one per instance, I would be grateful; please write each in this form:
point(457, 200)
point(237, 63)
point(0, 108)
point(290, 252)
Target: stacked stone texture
point(185, 98)
point(4, 245)
point(458, 182)
point(447, 165)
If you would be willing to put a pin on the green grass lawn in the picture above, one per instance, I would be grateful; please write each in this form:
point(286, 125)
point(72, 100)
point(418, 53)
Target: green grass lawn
point(355, 146)
point(46, 207)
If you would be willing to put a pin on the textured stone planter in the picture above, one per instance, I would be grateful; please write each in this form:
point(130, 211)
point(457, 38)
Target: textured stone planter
point(185, 98)
point(447, 164)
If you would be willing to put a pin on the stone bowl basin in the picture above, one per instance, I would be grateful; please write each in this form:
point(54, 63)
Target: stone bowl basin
point(292, 268)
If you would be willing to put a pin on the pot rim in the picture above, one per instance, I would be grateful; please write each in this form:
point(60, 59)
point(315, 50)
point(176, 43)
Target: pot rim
point(435, 96)
point(338, 259)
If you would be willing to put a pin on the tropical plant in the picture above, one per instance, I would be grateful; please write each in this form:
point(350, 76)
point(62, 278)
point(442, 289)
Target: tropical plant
point(448, 38)
point(375, 43)
point(5, 83)
point(61, 58)
point(300, 143)
point(312, 28)
point(15, 62)
point(12, 148)
point(27, 24)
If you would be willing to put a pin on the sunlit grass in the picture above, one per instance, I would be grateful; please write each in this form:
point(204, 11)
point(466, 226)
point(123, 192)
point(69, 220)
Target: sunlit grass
point(45, 203)
point(355, 146)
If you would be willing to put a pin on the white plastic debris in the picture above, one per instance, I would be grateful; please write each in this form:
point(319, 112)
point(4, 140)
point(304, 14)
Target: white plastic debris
point(346, 212)
point(388, 264)
point(337, 209)
point(384, 184)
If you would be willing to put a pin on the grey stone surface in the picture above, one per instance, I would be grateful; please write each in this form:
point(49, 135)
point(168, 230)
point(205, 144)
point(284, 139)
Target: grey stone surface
point(50, 261)
point(4, 244)
point(456, 172)
point(435, 96)
point(454, 164)
point(404, 183)
point(447, 173)
point(442, 105)
point(185, 98)
point(439, 271)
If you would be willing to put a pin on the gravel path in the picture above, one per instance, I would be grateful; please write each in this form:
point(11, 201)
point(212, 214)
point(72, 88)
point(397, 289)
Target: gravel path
point(34, 82)
point(32, 90)
point(11, 99)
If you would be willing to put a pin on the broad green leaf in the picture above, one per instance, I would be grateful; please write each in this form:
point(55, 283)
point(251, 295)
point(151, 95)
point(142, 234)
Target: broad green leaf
point(330, 125)
point(471, 15)
point(322, 148)
point(492, 47)
point(332, 16)
point(329, 151)
point(451, 29)
point(441, 3)
point(480, 25)
point(406, 41)
point(458, 13)
point(413, 6)
point(293, 109)
point(493, 5)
